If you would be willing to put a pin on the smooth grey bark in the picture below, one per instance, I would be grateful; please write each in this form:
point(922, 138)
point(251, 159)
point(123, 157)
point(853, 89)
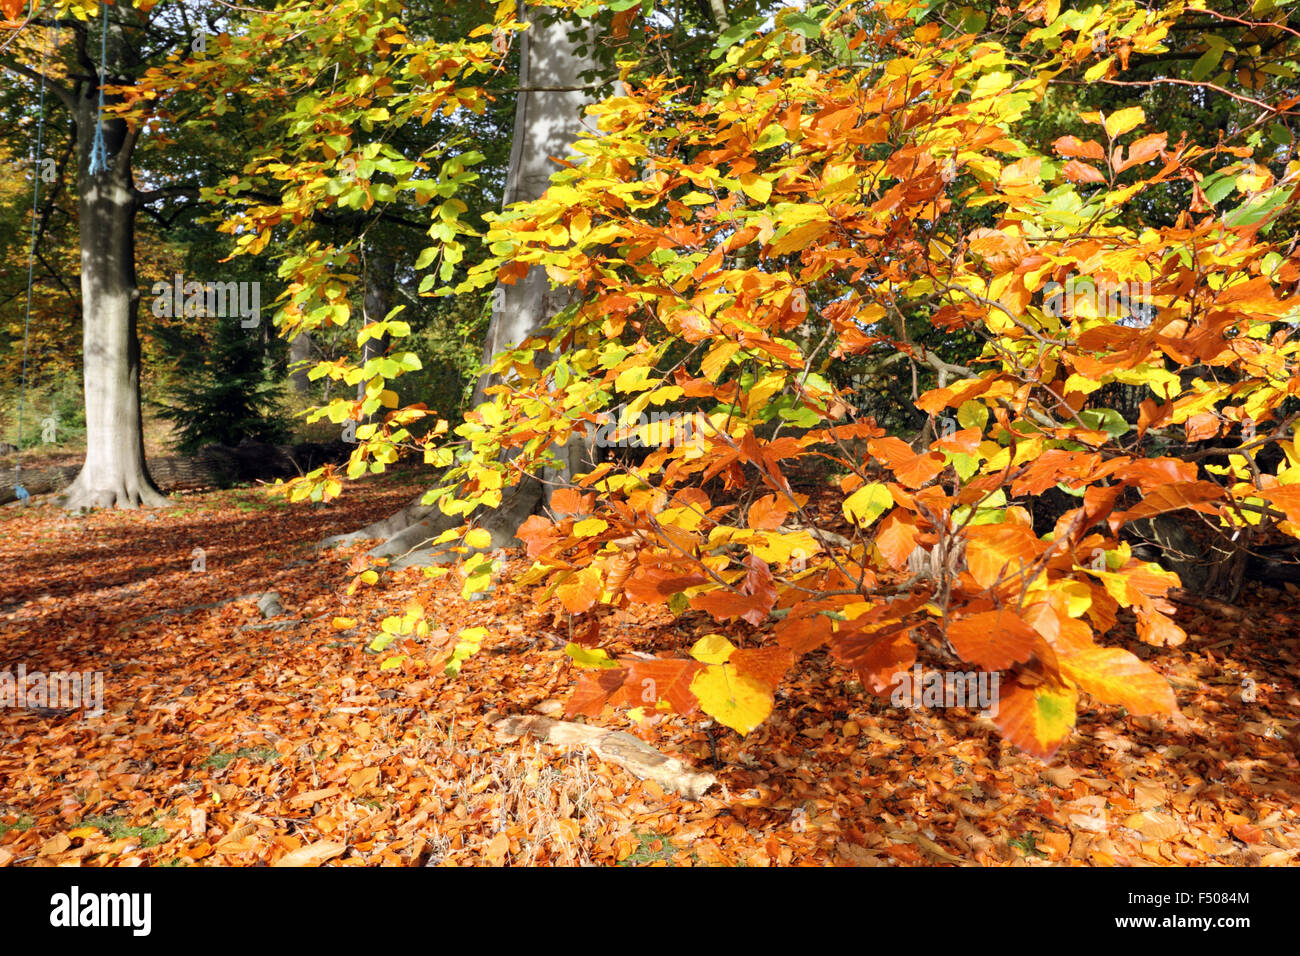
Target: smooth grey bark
point(300, 352)
point(548, 119)
point(377, 302)
point(547, 122)
point(114, 474)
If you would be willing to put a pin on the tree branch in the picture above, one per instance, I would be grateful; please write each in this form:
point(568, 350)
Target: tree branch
point(65, 94)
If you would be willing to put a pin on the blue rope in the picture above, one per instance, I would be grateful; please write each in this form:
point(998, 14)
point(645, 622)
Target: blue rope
point(20, 492)
point(98, 151)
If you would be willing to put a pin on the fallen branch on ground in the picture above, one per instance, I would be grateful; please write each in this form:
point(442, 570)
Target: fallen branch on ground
point(617, 747)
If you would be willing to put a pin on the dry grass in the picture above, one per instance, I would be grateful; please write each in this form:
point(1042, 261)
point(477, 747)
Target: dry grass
point(543, 803)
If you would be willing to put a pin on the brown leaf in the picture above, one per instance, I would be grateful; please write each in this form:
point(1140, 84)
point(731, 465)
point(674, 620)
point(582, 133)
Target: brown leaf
point(312, 855)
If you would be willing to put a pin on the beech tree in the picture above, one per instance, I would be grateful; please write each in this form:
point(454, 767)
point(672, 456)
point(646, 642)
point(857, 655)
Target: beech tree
point(548, 119)
point(89, 57)
point(835, 179)
point(558, 69)
point(707, 245)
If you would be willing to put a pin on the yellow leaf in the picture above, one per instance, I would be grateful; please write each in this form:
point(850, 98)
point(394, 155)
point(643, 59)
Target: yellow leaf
point(733, 699)
point(590, 527)
point(1099, 69)
point(712, 649)
point(1116, 676)
point(756, 187)
point(479, 538)
point(868, 503)
point(1120, 122)
point(579, 591)
point(343, 623)
point(717, 359)
point(589, 658)
point(312, 855)
point(763, 390)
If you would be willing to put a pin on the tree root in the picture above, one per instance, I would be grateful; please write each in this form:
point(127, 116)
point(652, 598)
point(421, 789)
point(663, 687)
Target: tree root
point(407, 536)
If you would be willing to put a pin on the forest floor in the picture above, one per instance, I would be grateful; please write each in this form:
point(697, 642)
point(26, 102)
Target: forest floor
point(228, 738)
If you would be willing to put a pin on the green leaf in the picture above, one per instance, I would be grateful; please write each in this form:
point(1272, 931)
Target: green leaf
point(1253, 210)
point(1217, 185)
point(1209, 60)
point(1106, 420)
point(803, 24)
point(736, 34)
point(380, 642)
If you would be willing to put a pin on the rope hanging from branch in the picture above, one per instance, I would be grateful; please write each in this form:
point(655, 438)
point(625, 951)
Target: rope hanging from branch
point(99, 151)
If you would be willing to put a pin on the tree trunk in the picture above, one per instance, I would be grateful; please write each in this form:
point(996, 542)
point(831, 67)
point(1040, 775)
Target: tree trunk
point(380, 276)
point(548, 119)
point(546, 126)
point(114, 474)
point(299, 356)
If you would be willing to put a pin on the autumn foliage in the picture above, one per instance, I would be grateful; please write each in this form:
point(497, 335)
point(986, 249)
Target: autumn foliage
point(726, 251)
point(838, 180)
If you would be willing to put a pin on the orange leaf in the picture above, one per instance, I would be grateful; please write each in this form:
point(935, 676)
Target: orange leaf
point(1035, 719)
point(1171, 497)
point(768, 664)
point(1247, 833)
point(767, 514)
point(1201, 426)
point(1158, 629)
point(594, 690)
point(756, 597)
point(1116, 676)
point(996, 551)
point(570, 501)
point(579, 591)
point(538, 534)
point(1077, 172)
point(1286, 498)
point(1071, 147)
point(663, 679)
point(498, 849)
point(912, 470)
point(801, 634)
point(993, 640)
point(654, 585)
point(896, 540)
point(1144, 150)
point(884, 659)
